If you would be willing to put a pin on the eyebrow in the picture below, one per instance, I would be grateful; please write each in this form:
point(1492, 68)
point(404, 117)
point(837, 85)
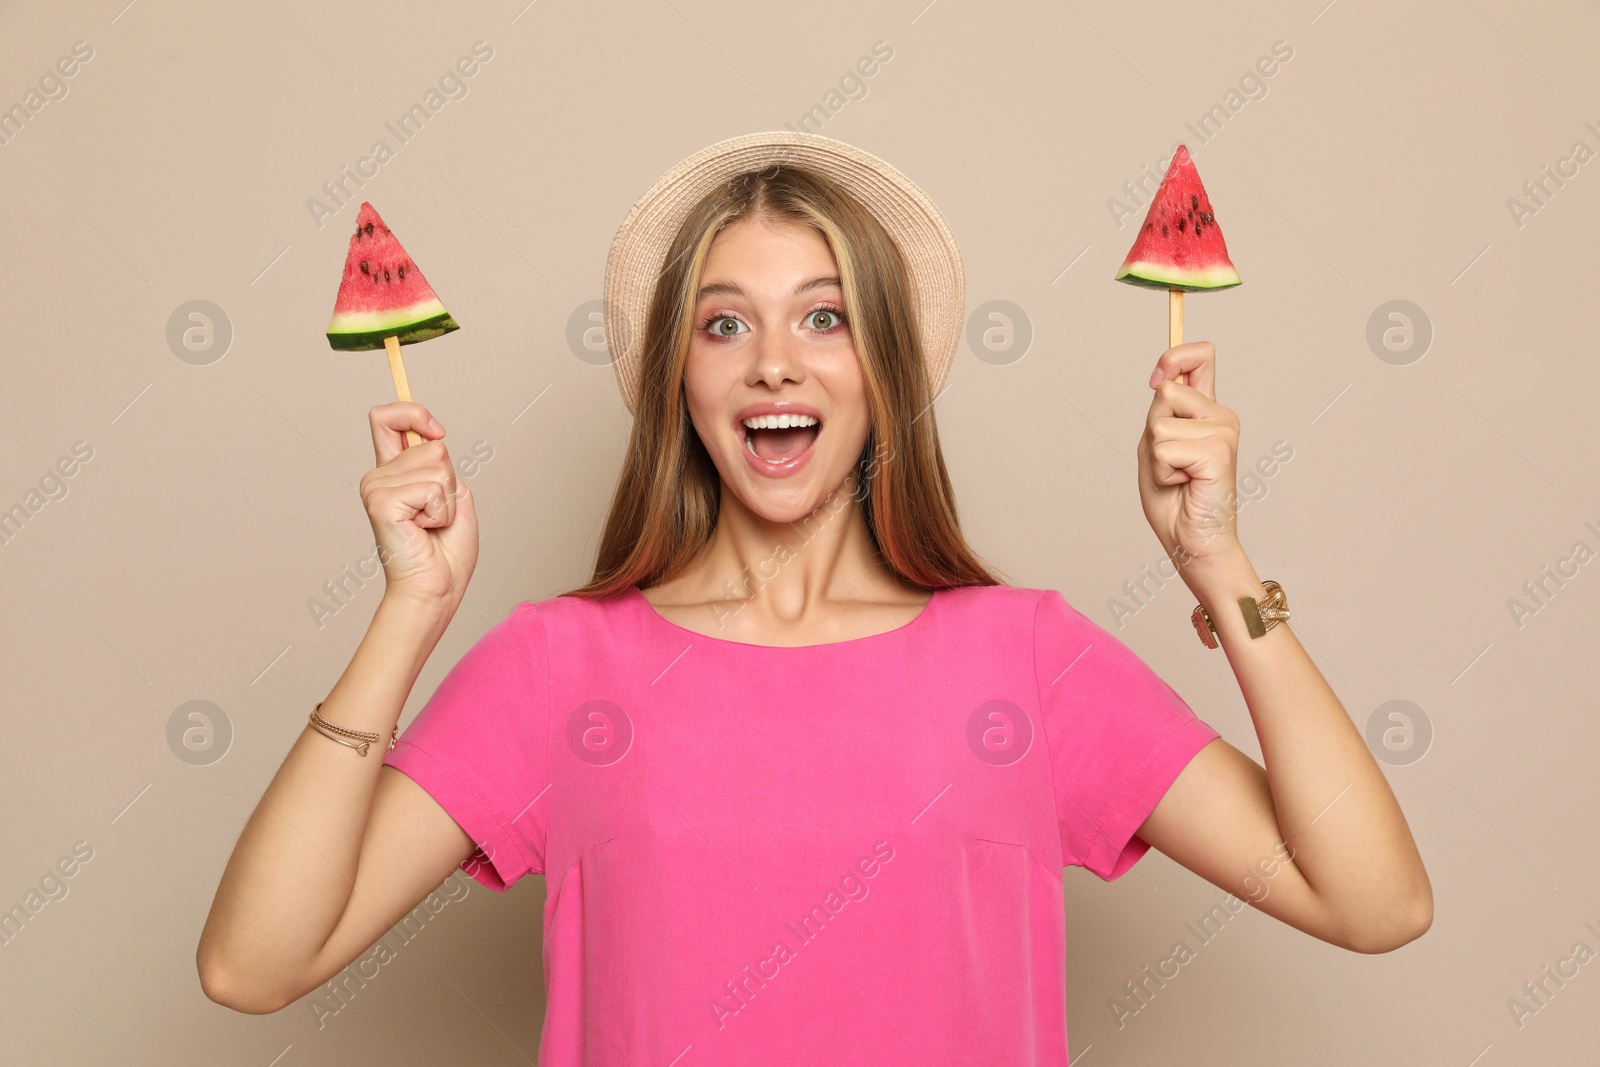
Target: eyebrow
point(730, 289)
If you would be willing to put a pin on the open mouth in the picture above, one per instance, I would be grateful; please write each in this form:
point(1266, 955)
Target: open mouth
point(779, 438)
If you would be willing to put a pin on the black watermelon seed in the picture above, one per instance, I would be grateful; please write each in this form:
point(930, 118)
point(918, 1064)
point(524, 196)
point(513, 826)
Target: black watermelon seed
point(363, 266)
point(1163, 229)
point(369, 229)
point(386, 274)
point(402, 274)
point(1194, 201)
point(1180, 224)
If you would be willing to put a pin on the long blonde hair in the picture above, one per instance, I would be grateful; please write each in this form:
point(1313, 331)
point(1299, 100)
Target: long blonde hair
point(665, 507)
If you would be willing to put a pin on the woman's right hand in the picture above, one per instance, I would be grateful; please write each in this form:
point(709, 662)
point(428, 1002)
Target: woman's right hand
point(422, 515)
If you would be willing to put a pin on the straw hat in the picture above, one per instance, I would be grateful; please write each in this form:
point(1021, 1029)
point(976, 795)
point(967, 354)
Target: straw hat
point(639, 251)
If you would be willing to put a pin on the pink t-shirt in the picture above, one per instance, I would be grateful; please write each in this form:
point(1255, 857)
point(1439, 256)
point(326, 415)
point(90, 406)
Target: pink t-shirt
point(841, 853)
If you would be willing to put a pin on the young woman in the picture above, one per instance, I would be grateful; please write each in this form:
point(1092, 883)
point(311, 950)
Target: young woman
point(800, 772)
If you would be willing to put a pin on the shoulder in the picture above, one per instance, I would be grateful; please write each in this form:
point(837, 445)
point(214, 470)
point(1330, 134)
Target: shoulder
point(1019, 617)
point(568, 608)
point(566, 623)
point(1016, 602)
point(535, 637)
point(1000, 596)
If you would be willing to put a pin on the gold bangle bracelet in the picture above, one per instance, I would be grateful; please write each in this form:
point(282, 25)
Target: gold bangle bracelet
point(1259, 615)
point(339, 733)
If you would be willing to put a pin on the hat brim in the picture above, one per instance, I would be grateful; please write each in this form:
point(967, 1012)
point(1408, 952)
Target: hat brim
point(639, 250)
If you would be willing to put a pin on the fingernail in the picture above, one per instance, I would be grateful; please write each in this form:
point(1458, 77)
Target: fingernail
point(1155, 376)
point(433, 424)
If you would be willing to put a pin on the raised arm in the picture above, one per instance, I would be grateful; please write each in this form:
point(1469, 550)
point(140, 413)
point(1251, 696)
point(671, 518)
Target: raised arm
point(1316, 838)
point(340, 846)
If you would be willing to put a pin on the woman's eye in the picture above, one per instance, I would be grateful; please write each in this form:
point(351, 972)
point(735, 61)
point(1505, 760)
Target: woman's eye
point(822, 320)
point(723, 325)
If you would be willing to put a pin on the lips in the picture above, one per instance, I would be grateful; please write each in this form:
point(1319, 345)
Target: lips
point(793, 450)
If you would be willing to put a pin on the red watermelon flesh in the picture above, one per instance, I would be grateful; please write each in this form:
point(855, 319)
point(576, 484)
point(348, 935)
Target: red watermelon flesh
point(382, 293)
point(1180, 245)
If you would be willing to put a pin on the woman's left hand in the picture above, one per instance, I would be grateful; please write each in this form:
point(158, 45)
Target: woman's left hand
point(1188, 458)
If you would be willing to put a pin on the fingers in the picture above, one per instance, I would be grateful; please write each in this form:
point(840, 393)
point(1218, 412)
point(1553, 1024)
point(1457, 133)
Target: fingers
point(1196, 360)
point(1169, 421)
point(1166, 463)
point(429, 455)
point(1185, 401)
point(424, 501)
point(1174, 462)
point(391, 421)
point(419, 481)
point(1183, 429)
point(1178, 428)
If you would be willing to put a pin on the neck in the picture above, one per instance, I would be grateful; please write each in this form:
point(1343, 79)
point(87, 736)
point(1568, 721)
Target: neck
point(827, 554)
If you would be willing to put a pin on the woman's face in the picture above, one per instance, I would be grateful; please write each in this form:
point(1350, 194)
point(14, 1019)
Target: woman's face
point(769, 336)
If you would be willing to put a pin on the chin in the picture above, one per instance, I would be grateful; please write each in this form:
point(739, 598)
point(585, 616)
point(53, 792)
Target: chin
point(787, 500)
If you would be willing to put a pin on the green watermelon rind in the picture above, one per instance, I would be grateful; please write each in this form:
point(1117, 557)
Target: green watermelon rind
point(362, 331)
point(1159, 276)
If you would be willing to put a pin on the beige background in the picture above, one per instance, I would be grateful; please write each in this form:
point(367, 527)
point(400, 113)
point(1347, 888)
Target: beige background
point(219, 498)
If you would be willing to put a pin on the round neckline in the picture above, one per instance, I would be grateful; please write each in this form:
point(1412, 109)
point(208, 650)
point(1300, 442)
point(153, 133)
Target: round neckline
point(649, 609)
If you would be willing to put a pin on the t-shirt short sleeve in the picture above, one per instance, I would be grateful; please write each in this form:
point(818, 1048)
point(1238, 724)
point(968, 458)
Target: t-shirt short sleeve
point(1117, 736)
point(478, 748)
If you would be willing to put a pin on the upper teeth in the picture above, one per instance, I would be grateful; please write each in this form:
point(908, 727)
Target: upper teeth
point(778, 422)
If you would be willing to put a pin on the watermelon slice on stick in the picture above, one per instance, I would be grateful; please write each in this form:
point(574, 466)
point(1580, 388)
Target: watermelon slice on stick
point(1179, 247)
point(384, 301)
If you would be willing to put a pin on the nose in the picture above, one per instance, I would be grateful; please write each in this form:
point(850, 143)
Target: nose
point(776, 357)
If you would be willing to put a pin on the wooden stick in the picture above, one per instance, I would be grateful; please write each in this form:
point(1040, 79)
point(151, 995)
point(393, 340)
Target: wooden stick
point(402, 388)
point(1175, 323)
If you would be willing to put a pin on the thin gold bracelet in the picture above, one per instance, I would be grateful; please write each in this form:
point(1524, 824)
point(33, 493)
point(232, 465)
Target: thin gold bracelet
point(332, 732)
